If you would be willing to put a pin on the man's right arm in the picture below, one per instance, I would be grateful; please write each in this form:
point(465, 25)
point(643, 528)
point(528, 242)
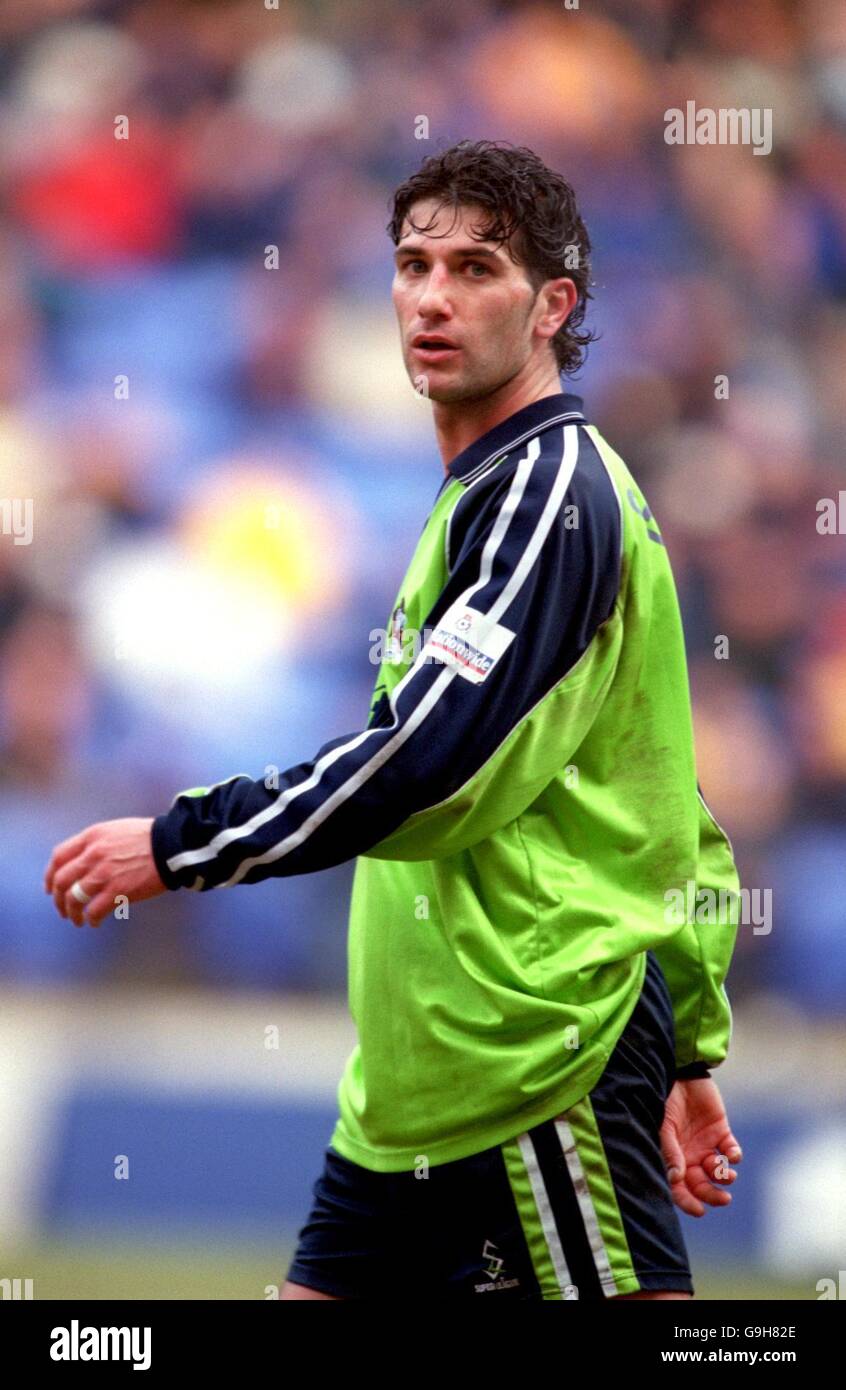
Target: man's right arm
point(525, 638)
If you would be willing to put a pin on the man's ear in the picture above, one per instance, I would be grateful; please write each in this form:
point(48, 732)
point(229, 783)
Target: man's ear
point(559, 300)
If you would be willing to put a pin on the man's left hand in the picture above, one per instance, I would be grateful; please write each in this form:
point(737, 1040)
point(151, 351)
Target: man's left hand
point(110, 860)
point(696, 1140)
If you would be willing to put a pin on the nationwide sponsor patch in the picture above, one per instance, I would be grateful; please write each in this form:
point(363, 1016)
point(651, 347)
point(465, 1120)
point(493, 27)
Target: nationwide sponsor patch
point(469, 641)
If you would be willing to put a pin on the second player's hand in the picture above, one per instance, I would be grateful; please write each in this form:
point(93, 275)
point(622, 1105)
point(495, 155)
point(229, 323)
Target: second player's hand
point(110, 861)
point(696, 1141)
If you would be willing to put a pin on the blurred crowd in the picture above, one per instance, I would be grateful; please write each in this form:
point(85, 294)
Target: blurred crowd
point(201, 392)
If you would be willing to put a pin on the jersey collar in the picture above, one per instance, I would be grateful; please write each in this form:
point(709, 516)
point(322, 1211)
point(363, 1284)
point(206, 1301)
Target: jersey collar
point(561, 408)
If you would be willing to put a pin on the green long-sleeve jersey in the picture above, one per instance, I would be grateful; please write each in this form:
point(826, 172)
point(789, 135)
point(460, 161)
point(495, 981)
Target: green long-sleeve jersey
point(523, 806)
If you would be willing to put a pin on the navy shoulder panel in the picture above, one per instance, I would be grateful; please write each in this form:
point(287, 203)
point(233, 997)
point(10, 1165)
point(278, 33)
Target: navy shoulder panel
point(588, 532)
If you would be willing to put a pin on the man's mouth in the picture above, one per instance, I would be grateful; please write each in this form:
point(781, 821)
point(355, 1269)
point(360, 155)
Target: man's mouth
point(431, 347)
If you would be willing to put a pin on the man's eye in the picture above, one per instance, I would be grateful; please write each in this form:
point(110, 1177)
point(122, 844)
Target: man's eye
point(478, 265)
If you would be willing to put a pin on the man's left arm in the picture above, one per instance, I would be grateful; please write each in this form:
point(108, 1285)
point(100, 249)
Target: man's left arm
point(696, 960)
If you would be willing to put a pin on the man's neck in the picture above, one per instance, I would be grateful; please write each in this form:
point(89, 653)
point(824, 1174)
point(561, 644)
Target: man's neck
point(460, 423)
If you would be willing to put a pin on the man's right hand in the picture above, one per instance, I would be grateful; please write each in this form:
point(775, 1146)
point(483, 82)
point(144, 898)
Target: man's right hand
point(696, 1140)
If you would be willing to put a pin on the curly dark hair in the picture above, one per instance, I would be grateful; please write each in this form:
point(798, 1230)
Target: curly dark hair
point(530, 207)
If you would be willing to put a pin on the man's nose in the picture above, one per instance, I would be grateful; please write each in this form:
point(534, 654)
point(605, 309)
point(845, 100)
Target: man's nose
point(434, 294)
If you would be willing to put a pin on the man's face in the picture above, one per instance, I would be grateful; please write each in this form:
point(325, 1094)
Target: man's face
point(448, 285)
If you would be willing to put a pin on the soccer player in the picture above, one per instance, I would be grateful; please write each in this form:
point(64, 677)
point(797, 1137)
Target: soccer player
point(530, 1097)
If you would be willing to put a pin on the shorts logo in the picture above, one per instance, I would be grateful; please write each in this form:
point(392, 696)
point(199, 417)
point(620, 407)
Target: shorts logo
point(495, 1262)
point(494, 1270)
point(468, 641)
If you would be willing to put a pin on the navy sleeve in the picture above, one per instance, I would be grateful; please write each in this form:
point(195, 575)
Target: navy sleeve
point(526, 597)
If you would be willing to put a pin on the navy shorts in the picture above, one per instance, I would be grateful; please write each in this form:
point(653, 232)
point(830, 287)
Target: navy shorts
point(578, 1207)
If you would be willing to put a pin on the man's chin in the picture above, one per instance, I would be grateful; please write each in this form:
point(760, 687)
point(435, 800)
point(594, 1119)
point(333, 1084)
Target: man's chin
point(445, 393)
point(444, 390)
